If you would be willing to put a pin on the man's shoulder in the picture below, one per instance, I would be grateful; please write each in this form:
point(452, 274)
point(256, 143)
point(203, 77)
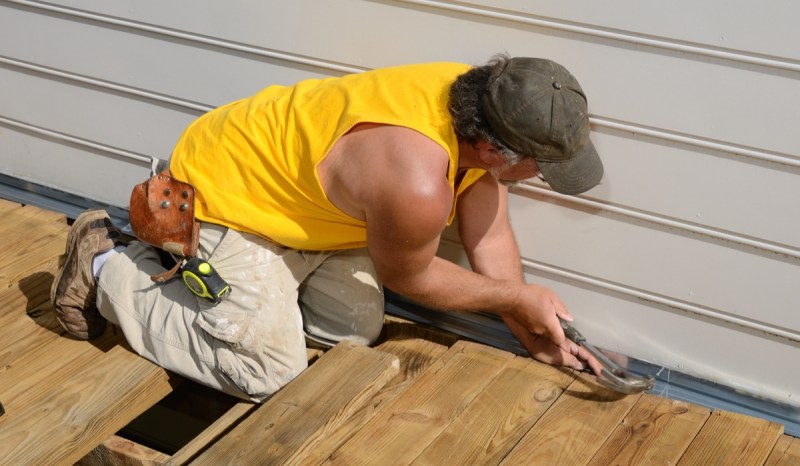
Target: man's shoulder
point(378, 164)
point(404, 160)
point(383, 140)
point(411, 154)
point(408, 139)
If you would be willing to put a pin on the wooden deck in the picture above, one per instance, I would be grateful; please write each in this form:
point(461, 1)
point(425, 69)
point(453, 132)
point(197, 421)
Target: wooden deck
point(410, 400)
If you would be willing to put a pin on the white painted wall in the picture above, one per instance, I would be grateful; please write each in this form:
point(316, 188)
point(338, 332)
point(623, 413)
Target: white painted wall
point(687, 255)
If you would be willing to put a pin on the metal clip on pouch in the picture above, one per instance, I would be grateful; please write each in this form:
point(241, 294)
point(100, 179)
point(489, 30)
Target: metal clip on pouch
point(612, 375)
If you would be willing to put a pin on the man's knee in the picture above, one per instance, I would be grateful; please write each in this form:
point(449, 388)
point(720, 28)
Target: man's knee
point(367, 317)
point(330, 319)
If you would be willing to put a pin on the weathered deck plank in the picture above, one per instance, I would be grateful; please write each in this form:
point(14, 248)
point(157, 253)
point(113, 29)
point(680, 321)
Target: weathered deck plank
point(318, 401)
point(62, 396)
point(16, 215)
point(731, 438)
point(415, 356)
point(575, 427)
point(46, 363)
point(405, 427)
point(785, 453)
point(29, 261)
point(118, 451)
point(656, 431)
point(7, 206)
point(500, 416)
point(90, 404)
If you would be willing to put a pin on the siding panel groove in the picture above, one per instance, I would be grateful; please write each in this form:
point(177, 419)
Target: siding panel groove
point(616, 35)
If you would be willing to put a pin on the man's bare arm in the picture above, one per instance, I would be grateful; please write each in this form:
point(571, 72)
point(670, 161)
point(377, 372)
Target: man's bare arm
point(493, 251)
point(486, 232)
point(406, 208)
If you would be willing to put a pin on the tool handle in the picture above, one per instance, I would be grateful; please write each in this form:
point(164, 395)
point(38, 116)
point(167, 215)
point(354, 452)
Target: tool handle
point(612, 374)
point(571, 332)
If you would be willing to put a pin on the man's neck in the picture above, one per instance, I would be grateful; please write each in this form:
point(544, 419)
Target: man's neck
point(467, 156)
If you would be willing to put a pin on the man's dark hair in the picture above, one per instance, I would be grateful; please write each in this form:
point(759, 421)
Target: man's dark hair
point(465, 107)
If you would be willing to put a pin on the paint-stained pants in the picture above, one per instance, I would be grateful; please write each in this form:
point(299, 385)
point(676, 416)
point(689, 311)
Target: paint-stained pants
point(254, 341)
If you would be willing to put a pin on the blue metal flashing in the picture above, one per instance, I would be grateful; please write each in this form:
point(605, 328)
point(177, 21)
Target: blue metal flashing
point(26, 192)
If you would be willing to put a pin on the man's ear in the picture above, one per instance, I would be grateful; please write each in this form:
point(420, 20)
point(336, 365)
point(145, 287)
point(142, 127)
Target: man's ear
point(488, 154)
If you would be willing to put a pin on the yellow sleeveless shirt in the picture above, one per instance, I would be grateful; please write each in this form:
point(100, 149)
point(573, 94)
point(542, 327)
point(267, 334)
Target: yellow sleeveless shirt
point(253, 162)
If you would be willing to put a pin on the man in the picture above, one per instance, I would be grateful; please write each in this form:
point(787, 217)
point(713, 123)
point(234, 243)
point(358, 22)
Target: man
point(312, 197)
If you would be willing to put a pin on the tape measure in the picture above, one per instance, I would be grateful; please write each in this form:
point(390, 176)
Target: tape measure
point(204, 281)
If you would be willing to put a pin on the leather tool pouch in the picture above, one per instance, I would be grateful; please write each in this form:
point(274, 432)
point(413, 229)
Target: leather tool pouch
point(162, 214)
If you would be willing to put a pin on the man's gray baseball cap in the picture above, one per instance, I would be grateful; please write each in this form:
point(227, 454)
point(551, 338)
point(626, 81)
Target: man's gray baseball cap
point(538, 109)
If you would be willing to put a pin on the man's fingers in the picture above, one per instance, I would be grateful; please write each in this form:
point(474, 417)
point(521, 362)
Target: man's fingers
point(561, 309)
point(568, 353)
point(556, 333)
point(592, 362)
point(571, 356)
point(576, 364)
point(553, 325)
point(578, 358)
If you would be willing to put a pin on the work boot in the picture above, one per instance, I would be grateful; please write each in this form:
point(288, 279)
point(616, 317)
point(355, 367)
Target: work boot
point(74, 290)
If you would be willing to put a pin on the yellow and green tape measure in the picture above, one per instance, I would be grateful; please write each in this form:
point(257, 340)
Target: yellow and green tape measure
point(204, 281)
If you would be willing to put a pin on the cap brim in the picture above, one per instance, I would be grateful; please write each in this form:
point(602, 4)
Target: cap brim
point(576, 175)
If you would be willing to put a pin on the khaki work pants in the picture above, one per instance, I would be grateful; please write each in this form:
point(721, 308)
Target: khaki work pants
point(253, 342)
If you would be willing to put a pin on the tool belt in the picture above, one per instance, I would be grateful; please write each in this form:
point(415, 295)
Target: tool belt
point(162, 215)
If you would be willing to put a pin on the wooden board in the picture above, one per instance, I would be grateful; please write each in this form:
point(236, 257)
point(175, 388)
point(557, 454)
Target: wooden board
point(785, 453)
point(316, 402)
point(499, 417)
point(28, 293)
point(61, 426)
point(656, 431)
point(47, 360)
point(24, 340)
point(7, 206)
point(31, 258)
point(575, 427)
point(404, 428)
point(730, 438)
point(118, 451)
point(415, 356)
point(25, 283)
point(22, 332)
point(396, 328)
point(47, 364)
point(17, 216)
point(62, 396)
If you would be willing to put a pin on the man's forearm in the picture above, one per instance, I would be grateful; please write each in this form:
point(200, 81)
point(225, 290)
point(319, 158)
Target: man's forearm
point(450, 287)
point(498, 259)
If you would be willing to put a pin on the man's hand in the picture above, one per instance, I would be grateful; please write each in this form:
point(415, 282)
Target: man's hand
point(543, 349)
point(537, 309)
